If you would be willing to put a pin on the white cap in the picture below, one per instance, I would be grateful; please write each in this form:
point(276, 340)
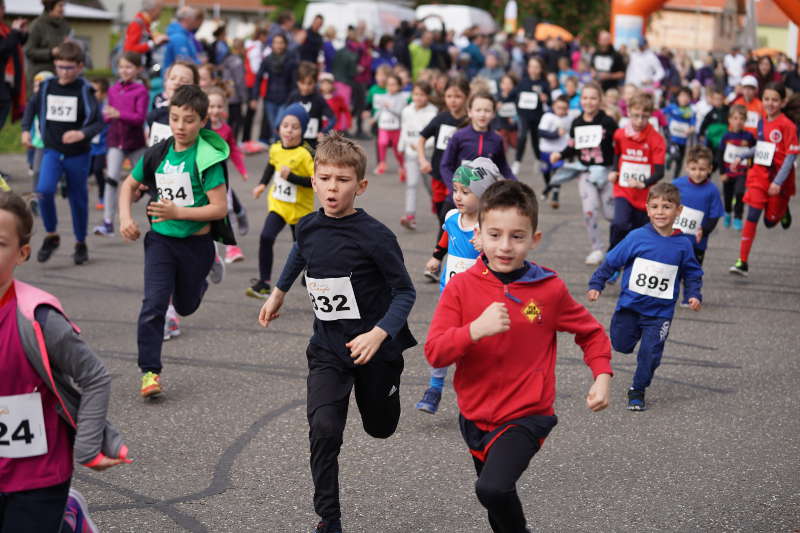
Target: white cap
point(749, 81)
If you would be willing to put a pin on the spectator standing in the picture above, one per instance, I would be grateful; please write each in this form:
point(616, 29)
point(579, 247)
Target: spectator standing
point(644, 67)
point(311, 48)
point(182, 44)
point(12, 87)
point(138, 37)
point(607, 63)
point(734, 67)
point(47, 32)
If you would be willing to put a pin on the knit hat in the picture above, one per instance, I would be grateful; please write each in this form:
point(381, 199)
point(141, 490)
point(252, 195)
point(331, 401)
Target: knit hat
point(477, 175)
point(296, 110)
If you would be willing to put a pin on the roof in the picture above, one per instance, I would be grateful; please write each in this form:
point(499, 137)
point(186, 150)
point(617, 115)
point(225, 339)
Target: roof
point(769, 14)
point(255, 6)
point(708, 6)
point(34, 8)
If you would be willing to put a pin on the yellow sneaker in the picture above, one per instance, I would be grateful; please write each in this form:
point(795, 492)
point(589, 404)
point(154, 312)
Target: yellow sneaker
point(151, 385)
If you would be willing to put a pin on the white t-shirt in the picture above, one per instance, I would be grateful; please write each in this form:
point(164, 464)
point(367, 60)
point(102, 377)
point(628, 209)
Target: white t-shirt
point(734, 66)
point(413, 121)
point(552, 122)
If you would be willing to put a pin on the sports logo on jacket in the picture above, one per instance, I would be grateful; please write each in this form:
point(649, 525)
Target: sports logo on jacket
point(532, 312)
point(776, 136)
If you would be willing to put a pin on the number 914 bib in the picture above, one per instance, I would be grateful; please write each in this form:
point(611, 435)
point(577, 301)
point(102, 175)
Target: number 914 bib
point(652, 278)
point(22, 432)
point(333, 298)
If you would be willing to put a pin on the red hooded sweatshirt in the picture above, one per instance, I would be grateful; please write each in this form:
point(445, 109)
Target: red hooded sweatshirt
point(512, 374)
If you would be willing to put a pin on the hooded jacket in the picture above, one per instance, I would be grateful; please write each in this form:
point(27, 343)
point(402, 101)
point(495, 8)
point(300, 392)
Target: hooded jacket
point(181, 45)
point(510, 375)
point(45, 33)
point(130, 99)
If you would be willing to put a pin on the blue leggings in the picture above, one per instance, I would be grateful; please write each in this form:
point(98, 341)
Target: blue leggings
point(76, 169)
point(629, 327)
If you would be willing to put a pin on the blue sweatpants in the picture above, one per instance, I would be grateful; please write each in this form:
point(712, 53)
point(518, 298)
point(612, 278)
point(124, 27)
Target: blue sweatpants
point(76, 168)
point(629, 327)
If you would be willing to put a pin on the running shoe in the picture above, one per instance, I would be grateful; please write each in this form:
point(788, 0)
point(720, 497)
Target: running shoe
point(172, 327)
point(595, 257)
point(739, 268)
point(106, 228)
point(515, 168)
point(381, 168)
point(332, 526)
point(554, 203)
point(259, 289)
point(233, 254)
point(726, 222)
point(81, 254)
point(409, 222)
point(402, 175)
point(430, 276)
point(614, 278)
point(99, 206)
point(786, 221)
point(76, 513)
point(49, 245)
point(685, 304)
point(242, 221)
point(430, 401)
point(636, 400)
point(151, 385)
point(738, 224)
point(217, 272)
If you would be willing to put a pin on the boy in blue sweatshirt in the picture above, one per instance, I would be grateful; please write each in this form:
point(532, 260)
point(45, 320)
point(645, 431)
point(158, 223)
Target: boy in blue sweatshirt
point(361, 295)
point(681, 125)
point(656, 258)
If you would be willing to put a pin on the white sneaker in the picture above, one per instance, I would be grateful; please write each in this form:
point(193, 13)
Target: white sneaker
point(595, 257)
point(515, 168)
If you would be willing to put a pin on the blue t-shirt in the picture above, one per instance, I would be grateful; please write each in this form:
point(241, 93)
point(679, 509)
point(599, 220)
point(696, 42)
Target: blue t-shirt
point(461, 254)
point(679, 120)
point(704, 198)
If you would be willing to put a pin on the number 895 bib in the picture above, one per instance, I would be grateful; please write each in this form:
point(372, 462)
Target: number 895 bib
point(652, 278)
point(333, 298)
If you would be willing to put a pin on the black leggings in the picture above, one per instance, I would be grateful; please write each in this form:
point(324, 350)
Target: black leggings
point(272, 226)
point(529, 126)
point(734, 188)
point(34, 511)
point(496, 487)
point(99, 172)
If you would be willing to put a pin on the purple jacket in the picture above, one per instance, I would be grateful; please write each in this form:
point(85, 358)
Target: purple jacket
point(131, 100)
point(467, 144)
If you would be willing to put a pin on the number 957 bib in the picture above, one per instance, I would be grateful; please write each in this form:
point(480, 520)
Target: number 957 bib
point(652, 278)
point(333, 298)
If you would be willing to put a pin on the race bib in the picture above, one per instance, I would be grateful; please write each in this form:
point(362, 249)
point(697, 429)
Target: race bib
point(732, 152)
point(333, 298)
point(312, 129)
point(631, 172)
point(765, 151)
point(588, 136)
point(679, 129)
point(492, 86)
point(176, 187)
point(96, 139)
point(62, 108)
point(528, 100)
point(283, 190)
point(603, 63)
point(689, 221)
point(22, 432)
point(507, 110)
point(652, 278)
point(752, 120)
point(456, 265)
point(158, 132)
point(388, 121)
point(445, 132)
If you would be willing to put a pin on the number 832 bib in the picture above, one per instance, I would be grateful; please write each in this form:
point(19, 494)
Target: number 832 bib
point(333, 298)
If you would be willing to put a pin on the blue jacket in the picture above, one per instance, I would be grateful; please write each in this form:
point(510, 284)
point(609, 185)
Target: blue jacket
point(660, 263)
point(703, 197)
point(683, 118)
point(181, 45)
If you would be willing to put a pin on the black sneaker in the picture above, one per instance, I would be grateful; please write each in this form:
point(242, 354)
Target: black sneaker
point(786, 221)
point(49, 245)
point(259, 289)
point(739, 268)
point(242, 221)
point(81, 254)
point(636, 400)
point(332, 526)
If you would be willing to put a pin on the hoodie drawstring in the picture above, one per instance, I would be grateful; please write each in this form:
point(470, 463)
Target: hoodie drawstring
point(510, 296)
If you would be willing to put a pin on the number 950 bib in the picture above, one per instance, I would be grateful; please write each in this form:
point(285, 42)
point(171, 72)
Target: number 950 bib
point(333, 298)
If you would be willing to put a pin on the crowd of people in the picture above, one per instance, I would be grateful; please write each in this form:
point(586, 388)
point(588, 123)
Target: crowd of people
point(450, 108)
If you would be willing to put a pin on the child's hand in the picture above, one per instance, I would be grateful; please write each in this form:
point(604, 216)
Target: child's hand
point(724, 177)
point(163, 210)
point(258, 189)
point(774, 189)
point(26, 139)
point(425, 165)
point(269, 311)
point(699, 236)
point(695, 304)
point(245, 176)
point(636, 184)
point(492, 321)
point(433, 265)
point(72, 136)
point(477, 244)
point(364, 347)
point(285, 171)
point(597, 399)
point(736, 163)
point(555, 157)
point(562, 132)
point(613, 176)
point(107, 462)
point(593, 295)
point(129, 229)
point(110, 112)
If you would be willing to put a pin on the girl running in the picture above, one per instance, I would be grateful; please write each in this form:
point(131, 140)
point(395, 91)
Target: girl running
point(389, 109)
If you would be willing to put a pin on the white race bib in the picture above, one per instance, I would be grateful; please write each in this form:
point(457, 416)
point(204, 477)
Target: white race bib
point(528, 100)
point(456, 265)
point(388, 121)
point(732, 152)
point(176, 187)
point(630, 172)
point(96, 139)
point(312, 129)
point(333, 298)
point(22, 432)
point(62, 108)
point(765, 151)
point(445, 132)
point(283, 190)
point(158, 132)
point(689, 221)
point(588, 136)
point(603, 63)
point(507, 110)
point(679, 129)
point(652, 278)
point(492, 86)
point(752, 120)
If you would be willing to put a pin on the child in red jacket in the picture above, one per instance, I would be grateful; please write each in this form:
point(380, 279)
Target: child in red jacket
point(498, 322)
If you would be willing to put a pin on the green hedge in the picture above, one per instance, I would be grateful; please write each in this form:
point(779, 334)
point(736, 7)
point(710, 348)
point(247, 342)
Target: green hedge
point(10, 139)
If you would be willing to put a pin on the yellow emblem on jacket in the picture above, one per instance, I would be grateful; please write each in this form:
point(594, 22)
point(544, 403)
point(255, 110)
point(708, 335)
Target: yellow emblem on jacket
point(532, 312)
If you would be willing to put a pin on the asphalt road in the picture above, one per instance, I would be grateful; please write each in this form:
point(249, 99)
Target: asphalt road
point(226, 448)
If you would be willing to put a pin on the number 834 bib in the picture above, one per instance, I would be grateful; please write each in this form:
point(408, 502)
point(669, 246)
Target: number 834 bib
point(333, 298)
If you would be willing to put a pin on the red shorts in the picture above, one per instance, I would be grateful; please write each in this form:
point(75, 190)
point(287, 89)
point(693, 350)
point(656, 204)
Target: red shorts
point(774, 206)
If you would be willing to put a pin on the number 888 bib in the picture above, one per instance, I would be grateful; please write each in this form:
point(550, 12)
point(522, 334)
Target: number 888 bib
point(333, 298)
point(651, 278)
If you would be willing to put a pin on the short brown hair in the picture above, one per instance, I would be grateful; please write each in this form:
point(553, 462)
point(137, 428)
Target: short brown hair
point(69, 51)
point(193, 97)
point(738, 109)
point(14, 204)
point(339, 151)
point(698, 152)
point(134, 58)
point(510, 193)
point(664, 190)
point(480, 94)
point(307, 69)
point(642, 100)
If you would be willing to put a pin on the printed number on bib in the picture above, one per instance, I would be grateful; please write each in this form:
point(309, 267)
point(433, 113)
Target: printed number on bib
point(176, 187)
point(732, 152)
point(62, 108)
point(765, 151)
point(22, 431)
point(283, 190)
point(652, 278)
point(528, 100)
point(507, 110)
point(158, 132)
point(603, 63)
point(388, 121)
point(445, 132)
point(456, 265)
point(493, 86)
point(588, 136)
point(752, 120)
point(679, 129)
point(689, 221)
point(312, 129)
point(333, 298)
point(631, 172)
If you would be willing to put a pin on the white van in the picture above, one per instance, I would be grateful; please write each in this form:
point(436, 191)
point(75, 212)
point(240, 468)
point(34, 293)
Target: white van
point(456, 17)
point(380, 17)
